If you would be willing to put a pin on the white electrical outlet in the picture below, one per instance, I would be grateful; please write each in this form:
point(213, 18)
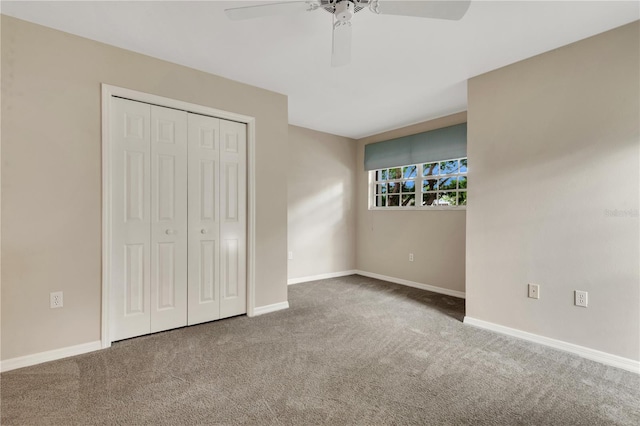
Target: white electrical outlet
point(534, 291)
point(581, 298)
point(290, 255)
point(55, 299)
point(410, 257)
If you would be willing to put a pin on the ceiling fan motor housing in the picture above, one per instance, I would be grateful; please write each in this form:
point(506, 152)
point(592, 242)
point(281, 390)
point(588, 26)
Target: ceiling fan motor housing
point(338, 7)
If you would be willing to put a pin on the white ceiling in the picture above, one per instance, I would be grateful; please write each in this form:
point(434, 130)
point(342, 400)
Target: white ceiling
point(404, 70)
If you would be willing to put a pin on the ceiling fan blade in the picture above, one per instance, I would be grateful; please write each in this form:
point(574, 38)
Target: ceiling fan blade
point(271, 9)
point(341, 50)
point(436, 9)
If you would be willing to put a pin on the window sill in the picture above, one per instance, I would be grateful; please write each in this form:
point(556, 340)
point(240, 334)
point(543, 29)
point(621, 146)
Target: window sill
point(419, 209)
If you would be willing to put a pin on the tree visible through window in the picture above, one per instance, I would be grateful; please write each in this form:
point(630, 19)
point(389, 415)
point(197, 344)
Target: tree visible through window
point(437, 184)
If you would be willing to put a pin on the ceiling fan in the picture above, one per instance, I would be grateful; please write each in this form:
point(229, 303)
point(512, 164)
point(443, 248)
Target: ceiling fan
point(343, 10)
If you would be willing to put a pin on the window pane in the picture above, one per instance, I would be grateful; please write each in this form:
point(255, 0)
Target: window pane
point(409, 172)
point(428, 199)
point(429, 185)
point(462, 182)
point(430, 169)
point(449, 167)
point(408, 199)
point(463, 165)
point(395, 173)
point(409, 186)
point(447, 198)
point(447, 183)
point(436, 189)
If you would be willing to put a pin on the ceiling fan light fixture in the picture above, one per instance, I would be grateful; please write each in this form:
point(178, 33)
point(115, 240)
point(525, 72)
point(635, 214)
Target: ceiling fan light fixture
point(344, 11)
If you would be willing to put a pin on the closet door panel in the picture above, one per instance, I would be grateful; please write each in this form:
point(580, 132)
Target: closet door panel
point(130, 219)
point(168, 218)
point(178, 218)
point(233, 223)
point(204, 221)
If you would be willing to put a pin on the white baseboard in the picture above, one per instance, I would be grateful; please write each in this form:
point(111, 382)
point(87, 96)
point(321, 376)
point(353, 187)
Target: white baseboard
point(592, 354)
point(39, 358)
point(261, 310)
point(414, 284)
point(320, 277)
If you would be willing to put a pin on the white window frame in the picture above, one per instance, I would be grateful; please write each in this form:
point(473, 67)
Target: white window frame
point(418, 187)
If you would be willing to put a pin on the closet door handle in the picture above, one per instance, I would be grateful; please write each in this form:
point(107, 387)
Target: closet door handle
point(203, 231)
point(170, 231)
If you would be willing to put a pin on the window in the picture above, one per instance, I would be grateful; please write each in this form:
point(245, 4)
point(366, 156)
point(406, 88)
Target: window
point(441, 184)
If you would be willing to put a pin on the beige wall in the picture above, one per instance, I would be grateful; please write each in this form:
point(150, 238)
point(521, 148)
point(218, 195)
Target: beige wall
point(322, 215)
point(553, 145)
point(51, 177)
point(385, 238)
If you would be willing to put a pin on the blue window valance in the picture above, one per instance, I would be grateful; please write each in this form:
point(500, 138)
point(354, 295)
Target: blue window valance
point(435, 145)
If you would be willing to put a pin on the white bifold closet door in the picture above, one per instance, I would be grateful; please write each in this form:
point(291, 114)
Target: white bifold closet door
point(168, 218)
point(178, 218)
point(217, 218)
point(149, 219)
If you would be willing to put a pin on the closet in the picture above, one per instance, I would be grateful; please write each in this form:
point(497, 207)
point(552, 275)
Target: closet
point(178, 218)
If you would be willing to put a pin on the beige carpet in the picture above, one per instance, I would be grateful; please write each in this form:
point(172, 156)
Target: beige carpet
point(349, 351)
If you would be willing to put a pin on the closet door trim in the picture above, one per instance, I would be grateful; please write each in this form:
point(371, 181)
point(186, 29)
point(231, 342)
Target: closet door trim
point(108, 93)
